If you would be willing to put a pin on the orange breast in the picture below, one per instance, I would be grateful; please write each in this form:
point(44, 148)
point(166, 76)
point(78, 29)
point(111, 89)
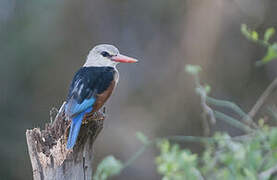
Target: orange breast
point(102, 98)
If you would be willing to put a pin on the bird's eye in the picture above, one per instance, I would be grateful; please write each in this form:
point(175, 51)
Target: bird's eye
point(105, 54)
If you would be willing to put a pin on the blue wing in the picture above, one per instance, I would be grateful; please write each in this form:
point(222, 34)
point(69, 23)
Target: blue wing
point(75, 128)
point(72, 107)
point(81, 96)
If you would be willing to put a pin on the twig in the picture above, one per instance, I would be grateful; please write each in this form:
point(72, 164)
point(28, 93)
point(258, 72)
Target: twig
point(211, 113)
point(61, 110)
point(206, 125)
point(227, 104)
point(222, 103)
point(263, 98)
point(53, 112)
point(137, 154)
point(190, 139)
point(232, 121)
point(206, 108)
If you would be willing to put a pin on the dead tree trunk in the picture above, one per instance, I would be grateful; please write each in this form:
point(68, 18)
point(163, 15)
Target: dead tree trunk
point(47, 149)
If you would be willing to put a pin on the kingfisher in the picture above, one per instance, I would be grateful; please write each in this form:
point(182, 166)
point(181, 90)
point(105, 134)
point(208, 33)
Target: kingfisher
point(92, 85)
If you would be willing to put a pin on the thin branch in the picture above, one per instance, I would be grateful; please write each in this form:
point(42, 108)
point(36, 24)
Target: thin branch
point(222, 103)
point(227, 104)
point(137, 154)
point(53, 112)
point(206, 125)
point(211, 113)
point(232, 121)
point(190, 139)
point(269, 90)
point(207, 109)
point(61, 110)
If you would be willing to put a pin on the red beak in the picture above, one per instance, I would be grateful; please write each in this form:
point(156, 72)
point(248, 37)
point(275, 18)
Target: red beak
point(123, 59)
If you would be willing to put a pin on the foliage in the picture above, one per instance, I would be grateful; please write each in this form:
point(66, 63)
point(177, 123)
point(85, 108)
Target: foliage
point(253, 35)
point(225, 158)
point(243, 157)
point(193, 69)
point(252, 155)
point(176, 163)
point(110, 166)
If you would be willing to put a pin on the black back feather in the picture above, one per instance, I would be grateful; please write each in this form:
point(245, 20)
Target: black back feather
point(89, 81)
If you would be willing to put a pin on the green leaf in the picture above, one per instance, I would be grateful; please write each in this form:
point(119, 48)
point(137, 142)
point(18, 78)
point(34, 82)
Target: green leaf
point(193, 69)
point(244, 30)
point(142, 138)
point(207, 88)
point(109, 166)
point(163, 145)
point(254, 36)
point(273, 139)
point(261, 122)
point(268, 34)
point(249, 34)
point(270, 54)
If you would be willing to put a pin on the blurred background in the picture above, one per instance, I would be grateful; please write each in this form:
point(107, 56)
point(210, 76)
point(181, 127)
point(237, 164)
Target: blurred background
point(43, 43)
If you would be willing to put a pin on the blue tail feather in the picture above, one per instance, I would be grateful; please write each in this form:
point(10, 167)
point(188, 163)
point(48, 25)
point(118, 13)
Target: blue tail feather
point(75, 128)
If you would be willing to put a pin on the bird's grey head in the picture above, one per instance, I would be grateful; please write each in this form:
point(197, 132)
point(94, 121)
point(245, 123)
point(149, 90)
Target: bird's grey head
point(106, 55)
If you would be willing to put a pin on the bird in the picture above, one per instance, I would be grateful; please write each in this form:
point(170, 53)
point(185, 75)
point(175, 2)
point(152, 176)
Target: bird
point(92, 85)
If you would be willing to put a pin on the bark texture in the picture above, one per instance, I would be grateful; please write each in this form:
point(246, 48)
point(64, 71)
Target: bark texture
point(47, 149)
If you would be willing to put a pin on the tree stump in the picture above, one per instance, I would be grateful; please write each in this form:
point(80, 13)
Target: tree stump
point(47, 149)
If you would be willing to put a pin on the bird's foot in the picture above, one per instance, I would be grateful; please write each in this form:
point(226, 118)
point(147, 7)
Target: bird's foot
point(95, 116)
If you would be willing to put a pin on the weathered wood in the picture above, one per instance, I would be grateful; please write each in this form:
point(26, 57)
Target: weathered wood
point(47, 149)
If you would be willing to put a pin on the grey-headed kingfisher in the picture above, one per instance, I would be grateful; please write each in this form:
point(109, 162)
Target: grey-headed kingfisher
point(92, 85)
